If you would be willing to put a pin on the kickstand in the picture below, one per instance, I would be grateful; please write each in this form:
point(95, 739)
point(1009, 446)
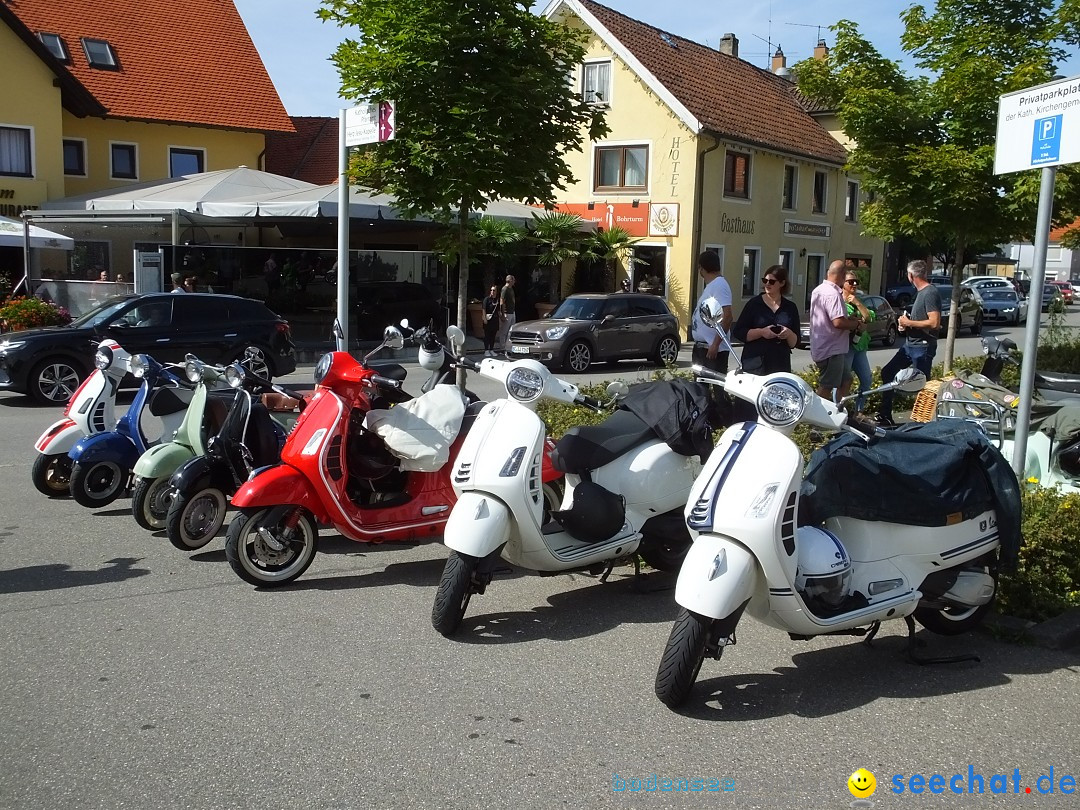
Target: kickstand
point(871, 633)
point(924, 660)
point(607, 572)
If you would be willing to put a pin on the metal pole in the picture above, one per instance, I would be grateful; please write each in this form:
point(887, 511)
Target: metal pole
point(341, 330)
point(26, 257)
point(1031, 335)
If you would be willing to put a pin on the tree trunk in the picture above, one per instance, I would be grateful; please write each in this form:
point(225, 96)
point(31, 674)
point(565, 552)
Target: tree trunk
point(463, 279)
point(954, 305)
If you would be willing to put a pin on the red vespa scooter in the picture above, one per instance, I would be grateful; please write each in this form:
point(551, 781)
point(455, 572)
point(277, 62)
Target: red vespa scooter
point(335, 471)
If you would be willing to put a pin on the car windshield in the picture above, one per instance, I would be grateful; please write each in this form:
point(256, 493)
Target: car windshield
point(100, 313)
point(998, 295)
point(946, 295)
point(580, 309)
point(1048, 291)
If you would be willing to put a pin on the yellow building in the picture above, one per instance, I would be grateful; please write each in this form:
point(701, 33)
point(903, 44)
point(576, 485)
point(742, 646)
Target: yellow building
point(707, 151)
point(109, 93)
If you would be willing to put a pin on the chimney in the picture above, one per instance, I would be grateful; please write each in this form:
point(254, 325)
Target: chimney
point(779, 61)
point(821, 51)
point(729, 44)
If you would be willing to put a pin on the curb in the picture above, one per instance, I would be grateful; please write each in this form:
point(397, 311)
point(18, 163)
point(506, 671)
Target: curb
point(1061, 632)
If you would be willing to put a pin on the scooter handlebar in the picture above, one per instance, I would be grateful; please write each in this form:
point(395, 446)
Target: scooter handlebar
point(385, 382)
point(465, 362)
point(590, 402)
point(707, 375)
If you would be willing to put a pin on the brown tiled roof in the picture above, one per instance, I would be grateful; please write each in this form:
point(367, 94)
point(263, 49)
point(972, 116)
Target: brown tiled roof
point(730, 97)
point(1057, 233)
point(190, 62)
point(310, 153)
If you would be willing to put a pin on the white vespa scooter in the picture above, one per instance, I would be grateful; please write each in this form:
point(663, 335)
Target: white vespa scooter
point(624, 491)
point(843, 577)
point(91, 409)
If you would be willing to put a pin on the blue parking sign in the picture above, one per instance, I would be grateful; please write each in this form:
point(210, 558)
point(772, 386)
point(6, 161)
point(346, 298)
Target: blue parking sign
point(1046, 141)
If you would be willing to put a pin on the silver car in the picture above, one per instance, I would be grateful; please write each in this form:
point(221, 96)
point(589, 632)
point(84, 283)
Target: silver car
point(1002, 304)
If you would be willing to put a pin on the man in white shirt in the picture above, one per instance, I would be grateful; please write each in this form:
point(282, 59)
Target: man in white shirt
point(717, 295)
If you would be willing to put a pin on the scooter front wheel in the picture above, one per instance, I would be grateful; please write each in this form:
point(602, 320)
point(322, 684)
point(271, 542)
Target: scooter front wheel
point(455, 591)
point(271, 547)
point(97, 484)
point(194, 520)
point(150, 500)
point(682, 658)
point(51, 475)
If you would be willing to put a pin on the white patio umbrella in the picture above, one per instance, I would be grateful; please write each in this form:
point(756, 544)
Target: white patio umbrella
point(11, 235)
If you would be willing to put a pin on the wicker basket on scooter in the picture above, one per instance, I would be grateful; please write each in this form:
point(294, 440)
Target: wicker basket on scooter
point(926, 402)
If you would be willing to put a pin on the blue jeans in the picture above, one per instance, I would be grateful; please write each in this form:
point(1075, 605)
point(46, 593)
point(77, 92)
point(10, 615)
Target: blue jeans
point(910, 354)
point(860, 368)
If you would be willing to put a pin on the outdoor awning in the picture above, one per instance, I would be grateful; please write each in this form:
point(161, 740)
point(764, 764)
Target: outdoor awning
point(11, 235)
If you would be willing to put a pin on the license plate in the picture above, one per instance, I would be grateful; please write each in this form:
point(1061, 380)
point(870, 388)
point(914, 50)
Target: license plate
point(519, 349)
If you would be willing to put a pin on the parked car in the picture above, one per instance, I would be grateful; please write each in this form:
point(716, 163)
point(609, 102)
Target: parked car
point(988, 283)
point(1067, 291)
point(379, 303)
point(1001, 303)
point(883, 328)
point(49, 363)
point(1052, 299)
point(969, 309)
point(595, 326)
point(901, 295)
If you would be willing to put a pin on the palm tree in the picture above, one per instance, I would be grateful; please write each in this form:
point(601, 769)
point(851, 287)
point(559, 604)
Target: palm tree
point(558, 235)
point(609, 246)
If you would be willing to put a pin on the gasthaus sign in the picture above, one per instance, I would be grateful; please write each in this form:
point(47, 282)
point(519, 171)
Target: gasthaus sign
point(1038, 127)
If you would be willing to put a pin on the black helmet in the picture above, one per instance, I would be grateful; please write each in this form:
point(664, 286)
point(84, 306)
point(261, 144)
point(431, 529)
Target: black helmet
point(595, 515)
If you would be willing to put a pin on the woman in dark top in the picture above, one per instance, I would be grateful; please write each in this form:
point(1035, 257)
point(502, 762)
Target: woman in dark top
point(491, 321)
point(768, 326)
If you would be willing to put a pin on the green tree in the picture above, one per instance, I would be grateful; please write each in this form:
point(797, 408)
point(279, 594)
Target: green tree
point(484, 109)
point(490, 242)
point(924, 145)
point(609, 245)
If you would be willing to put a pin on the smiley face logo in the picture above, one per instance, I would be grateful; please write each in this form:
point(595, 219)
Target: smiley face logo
point(862, 784)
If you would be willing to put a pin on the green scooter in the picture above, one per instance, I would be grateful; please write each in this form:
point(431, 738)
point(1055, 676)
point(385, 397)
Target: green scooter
point(151, 492)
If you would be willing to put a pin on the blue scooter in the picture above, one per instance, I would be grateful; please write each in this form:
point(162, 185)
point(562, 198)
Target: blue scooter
point(102, 463)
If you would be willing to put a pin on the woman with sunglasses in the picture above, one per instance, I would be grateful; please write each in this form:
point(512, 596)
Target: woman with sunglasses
point(491, 306)
point(858, 360)
point(768, 326)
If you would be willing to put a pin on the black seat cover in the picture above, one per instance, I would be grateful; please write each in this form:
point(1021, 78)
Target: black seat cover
point(1058, 381)
point(588, 447)
point(218, 403)
point(387, 368)
point(165, 401)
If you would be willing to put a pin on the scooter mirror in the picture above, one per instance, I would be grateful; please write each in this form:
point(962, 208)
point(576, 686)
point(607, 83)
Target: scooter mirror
point(456, 337)
point(617, 389)
point(910, 380)
point(707, 316)
point(404, 323)
point(392, 337)
point(712, 319)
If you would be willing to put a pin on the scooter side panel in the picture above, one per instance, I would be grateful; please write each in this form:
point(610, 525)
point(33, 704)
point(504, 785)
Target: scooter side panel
point(478, 525)
point(60, 437)
point(162, 460)
point(277, 486)
point(111, 446)
point(652, 478)
point(717, 576)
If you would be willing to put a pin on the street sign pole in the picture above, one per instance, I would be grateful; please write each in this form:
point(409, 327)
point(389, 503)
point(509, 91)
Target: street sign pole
point(341, 325)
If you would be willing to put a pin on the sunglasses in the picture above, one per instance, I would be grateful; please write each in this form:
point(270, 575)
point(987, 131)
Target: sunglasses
point(851, 281)
point(769, 281)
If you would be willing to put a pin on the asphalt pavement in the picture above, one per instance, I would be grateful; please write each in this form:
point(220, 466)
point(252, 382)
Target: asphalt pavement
point(136, 676)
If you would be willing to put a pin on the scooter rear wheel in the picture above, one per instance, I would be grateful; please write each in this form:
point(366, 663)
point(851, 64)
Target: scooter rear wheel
point(51, 475)
point(150, 502)
point(262, 550)
point(682, 658)
point(952, 621)
point(455, 591)
point(194, 520)
point(97, 484)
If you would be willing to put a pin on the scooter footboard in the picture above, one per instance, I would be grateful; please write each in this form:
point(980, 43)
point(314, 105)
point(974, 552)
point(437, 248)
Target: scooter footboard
point(717, 577)
point(478, 525)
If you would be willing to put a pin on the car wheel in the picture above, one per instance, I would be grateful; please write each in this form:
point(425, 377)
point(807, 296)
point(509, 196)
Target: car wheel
point(890, 335)
point(578, 356)
point(256, 361)
point(666, 352)
point(54, 380)
point(976, 327)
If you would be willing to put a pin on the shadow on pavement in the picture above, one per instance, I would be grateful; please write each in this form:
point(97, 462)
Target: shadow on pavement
point(57, 576)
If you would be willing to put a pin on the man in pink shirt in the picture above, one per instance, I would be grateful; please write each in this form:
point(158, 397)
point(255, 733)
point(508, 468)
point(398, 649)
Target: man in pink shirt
point(830, 332)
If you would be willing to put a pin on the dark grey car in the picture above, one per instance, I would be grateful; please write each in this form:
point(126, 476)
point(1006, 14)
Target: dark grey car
point(589, 327)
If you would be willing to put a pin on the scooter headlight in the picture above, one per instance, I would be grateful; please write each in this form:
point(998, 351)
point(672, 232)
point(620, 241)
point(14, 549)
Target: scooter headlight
point(781, 403)
point(103, 358)
point(524, 384)
point(139, 365)
point(193, 370)
point(323, 368)
point(235, 375)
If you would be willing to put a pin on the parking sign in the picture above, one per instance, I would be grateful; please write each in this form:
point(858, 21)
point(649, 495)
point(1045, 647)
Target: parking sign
point(1038, 127)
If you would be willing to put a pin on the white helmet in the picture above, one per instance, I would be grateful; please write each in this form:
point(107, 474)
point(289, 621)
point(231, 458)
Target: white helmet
point(431, 360)
point(824, 570)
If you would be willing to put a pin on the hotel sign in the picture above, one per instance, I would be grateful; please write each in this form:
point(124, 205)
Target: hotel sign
point(806, 229)
point(634, 219)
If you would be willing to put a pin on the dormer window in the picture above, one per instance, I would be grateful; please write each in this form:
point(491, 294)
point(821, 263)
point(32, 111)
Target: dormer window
point(596, 82)
point(99, 54)
point(55, 44)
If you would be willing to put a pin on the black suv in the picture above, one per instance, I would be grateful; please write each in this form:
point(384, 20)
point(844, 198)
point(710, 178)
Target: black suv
point(381, 303)
point(593, 326)
point(49, 363)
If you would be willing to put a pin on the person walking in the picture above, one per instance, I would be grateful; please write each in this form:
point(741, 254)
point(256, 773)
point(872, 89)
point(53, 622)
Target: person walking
point(830, 332)
point(920, 330)
point(858, 360)
point(508, 313)
point(717, 296)
point(178, 283)
point(768, 326)
point(492, 320)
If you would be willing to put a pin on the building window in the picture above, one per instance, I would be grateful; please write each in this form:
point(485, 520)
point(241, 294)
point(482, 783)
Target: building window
point(124, 161)
point(821, 191)
point(55, 44)
point(621, 168)
point(596, 82)
point(851, 205)
point(99, 54)
point(737, 175)
point(750, 263)
point(787, 261)
point(75, 157)
point(15, 158)
point(791, 186)
point(186, 161)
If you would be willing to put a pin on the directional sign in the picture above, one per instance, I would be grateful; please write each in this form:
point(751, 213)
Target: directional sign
point(1038, 127)
point(369, 123)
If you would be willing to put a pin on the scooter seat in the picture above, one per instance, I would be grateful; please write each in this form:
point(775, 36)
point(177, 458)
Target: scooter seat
point(166, 401)
point(589, 447)
point(395, 371)
point(1058, 381)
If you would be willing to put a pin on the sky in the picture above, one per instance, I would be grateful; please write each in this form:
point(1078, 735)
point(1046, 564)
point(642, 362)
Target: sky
point(295, 45)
